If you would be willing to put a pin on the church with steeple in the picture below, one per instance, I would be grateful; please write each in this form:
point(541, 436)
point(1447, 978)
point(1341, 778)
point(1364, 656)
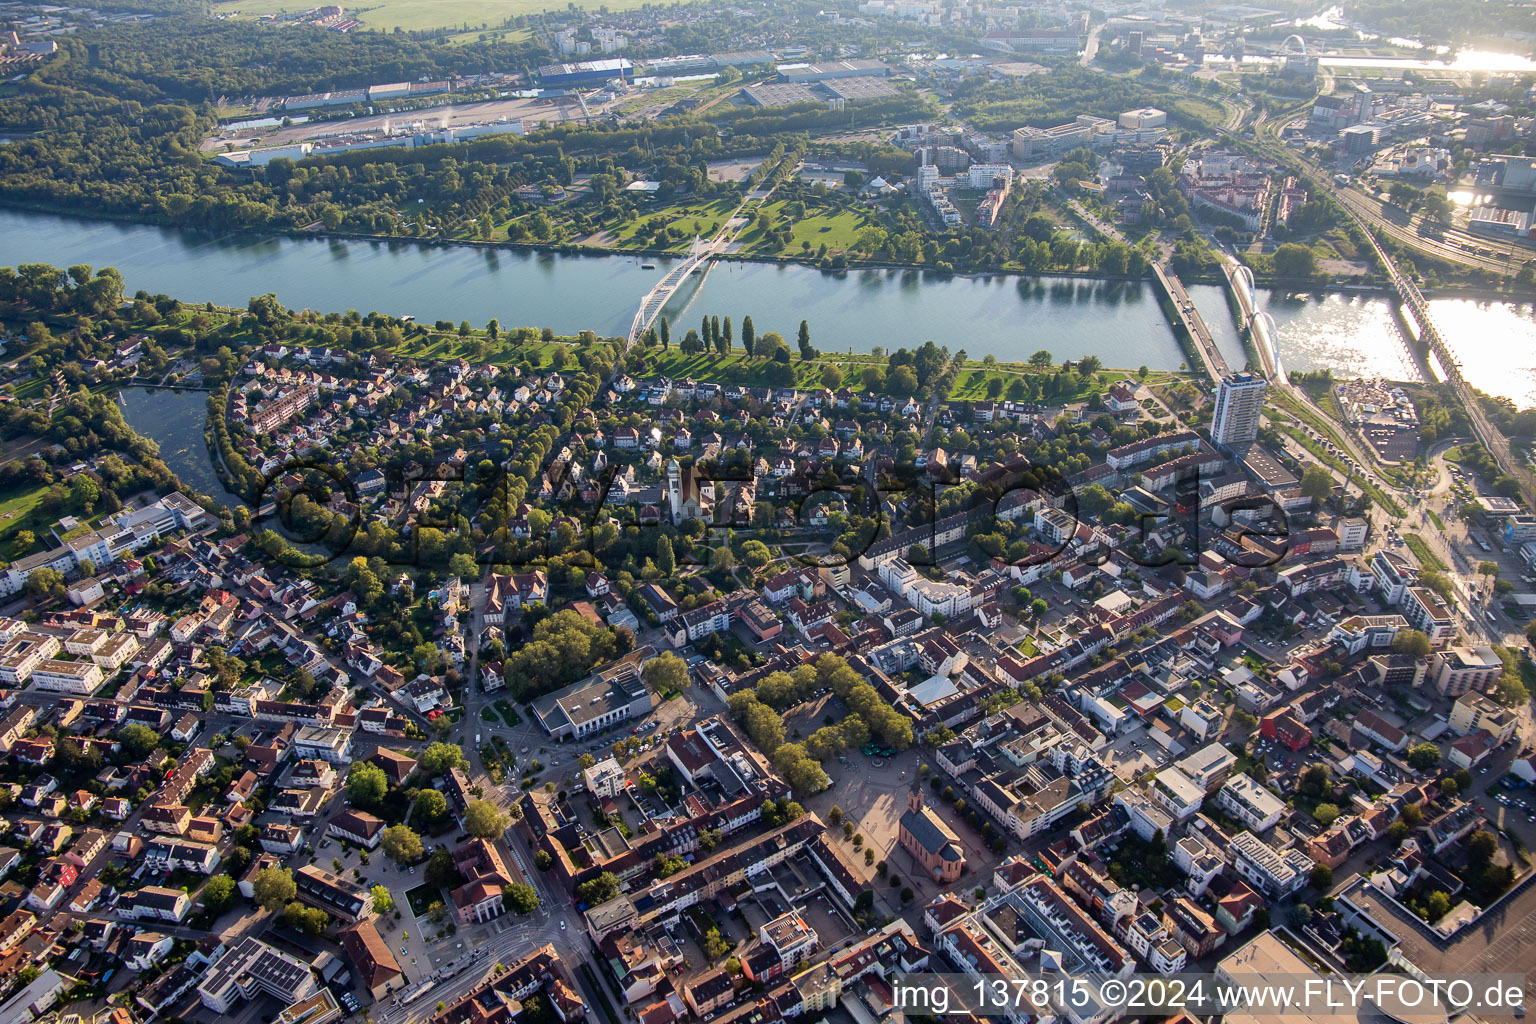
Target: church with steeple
point(931, 842)
point(688, 496)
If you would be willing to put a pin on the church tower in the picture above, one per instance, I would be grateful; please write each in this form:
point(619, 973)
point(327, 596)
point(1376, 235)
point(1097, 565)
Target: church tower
point(915, 800)
point(675, 491)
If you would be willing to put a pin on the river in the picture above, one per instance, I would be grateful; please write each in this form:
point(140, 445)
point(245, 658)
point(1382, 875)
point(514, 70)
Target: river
point(1002, 315)
point(1007, 316)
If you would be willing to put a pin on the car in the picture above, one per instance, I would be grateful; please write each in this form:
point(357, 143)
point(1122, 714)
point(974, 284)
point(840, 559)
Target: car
point(402, 949)
point(562, 926)
point(413, 869)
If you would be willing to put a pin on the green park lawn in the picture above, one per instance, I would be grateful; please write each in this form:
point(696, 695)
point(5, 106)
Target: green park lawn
point(835, 228)
point(692, 218)
point(19, 511)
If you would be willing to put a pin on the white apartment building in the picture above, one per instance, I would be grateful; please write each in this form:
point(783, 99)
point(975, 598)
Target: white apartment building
point(1177, 794)
point(81, 678)
point(1272, 873)
point(1239, 400)
point(1250, 803)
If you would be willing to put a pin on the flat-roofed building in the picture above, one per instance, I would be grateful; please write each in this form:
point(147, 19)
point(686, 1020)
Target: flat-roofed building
point(613, 694)
point(1250, 803)
point(251, 969)
point(78, 677)
point(1177, 793)
point(1474, 711)
point(1428, 614)
point(1209, 767)
point(1459, 670)
point(1272, 872)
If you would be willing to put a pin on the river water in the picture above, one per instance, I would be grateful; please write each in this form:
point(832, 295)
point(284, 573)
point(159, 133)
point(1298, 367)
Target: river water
point(1007, 316)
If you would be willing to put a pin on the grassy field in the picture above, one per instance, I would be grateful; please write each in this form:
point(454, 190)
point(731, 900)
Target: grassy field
point(423, 15)
point(834, 228)
point(502, 352)
point(702, 219)
point(19, 511)
point(970, 384)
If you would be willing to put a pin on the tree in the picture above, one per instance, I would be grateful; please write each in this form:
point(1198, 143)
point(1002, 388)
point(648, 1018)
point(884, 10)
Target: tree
point(482, 819)
point(1326, 814)
point(401, 844)
point(1315, 780)
point(1322, 878)
point(542, 860)
point(1316, 483)
point(367, 784)
point(1411, 642)
point(716, 946)
point(272, 887)
point(770, 345)
point(666, 561)
point(383, 902)
point(1481, 846)
point(1403, 194)
point(441, 757)
point(748, 335)
point(137, 740)
point(43, 583)
point(1295, 260)
point(521, 898)
point(430, 805)
point(1424, 756)
point(442, 872)
point(1438, 205)
point(309, 920)
point(598, 890)
point(665, 673)
point(219, 893)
